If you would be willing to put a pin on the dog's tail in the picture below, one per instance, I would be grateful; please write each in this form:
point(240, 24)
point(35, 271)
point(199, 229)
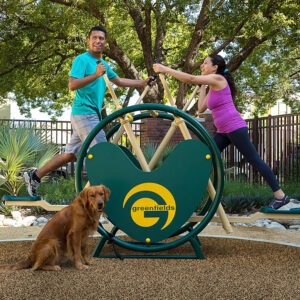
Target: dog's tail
point(22, 264)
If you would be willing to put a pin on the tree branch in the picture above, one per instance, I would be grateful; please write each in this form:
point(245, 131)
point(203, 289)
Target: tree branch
point(89, 7)
point(201, 24)
point(143, 29)
point(238, 59)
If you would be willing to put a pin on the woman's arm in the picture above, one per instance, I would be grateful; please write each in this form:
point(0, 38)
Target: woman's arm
point(214, 81)
point(202, 99)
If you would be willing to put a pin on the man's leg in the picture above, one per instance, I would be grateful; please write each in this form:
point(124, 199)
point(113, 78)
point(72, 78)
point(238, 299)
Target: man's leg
point(33, 179)
point(56, 162)
point(82, 126)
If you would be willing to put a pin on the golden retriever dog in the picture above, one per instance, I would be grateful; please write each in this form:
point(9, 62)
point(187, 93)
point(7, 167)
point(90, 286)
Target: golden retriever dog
point(65, 234)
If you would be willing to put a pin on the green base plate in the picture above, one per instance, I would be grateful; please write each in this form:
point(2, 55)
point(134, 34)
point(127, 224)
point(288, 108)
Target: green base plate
point(269, 210)
point(20, 198)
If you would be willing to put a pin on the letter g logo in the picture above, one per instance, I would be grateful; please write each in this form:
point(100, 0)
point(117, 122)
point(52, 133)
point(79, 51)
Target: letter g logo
point(145, 205)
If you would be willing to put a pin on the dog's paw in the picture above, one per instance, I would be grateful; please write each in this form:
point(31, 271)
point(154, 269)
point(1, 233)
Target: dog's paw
point(86, 262)
point(81, 266)
point(47, 268)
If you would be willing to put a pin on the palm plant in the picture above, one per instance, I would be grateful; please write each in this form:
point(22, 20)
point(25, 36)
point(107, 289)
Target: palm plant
point(21, 148)
point(149, 150)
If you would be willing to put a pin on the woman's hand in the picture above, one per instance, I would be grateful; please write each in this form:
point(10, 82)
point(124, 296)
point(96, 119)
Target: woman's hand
point(203, 88)
point(158, 68)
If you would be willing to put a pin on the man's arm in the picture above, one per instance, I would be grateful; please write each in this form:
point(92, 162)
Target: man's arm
point(129, 82)
point(77, 83)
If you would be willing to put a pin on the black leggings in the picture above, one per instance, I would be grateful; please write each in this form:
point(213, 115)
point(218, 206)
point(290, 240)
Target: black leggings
point(240, 139)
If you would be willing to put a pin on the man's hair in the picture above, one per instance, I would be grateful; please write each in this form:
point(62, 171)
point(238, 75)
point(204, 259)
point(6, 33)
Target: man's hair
point(98, 28)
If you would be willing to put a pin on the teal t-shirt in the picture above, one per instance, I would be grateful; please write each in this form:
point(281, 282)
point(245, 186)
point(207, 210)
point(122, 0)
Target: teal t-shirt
point(89, 99)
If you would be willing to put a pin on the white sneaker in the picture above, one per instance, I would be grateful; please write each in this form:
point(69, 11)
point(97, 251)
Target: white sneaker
point(31, 183)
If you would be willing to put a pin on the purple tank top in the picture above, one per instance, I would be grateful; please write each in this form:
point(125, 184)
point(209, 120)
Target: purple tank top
point(225, 115)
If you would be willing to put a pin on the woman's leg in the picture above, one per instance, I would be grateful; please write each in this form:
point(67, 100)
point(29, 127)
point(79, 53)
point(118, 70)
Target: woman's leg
point(222, 141)
point(242, 142)
point(240, 139)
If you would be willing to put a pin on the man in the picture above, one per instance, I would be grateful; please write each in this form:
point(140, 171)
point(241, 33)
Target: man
point(86, 78)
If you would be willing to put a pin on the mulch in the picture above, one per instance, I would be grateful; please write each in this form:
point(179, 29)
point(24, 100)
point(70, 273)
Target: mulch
point(233, 269)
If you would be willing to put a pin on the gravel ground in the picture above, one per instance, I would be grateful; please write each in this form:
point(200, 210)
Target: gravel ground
point(233, 269)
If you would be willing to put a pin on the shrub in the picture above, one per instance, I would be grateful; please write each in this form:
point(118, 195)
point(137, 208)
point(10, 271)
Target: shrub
point(149, 150)
point(60, 192)
point(5, 210)
point(21, 148)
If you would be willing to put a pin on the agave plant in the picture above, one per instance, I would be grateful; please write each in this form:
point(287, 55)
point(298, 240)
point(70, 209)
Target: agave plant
point(149, 150)
point(20, 149)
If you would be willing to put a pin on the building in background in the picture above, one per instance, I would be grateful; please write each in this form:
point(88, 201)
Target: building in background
point(280, 108)
point(5, 110)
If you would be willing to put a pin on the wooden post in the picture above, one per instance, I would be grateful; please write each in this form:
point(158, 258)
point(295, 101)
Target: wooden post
point(211, 190)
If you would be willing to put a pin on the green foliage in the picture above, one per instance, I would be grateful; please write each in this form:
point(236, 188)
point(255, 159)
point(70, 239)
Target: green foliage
point(149, 150)
point(259, 39)
point(21, 148)
point(244, 197)
point(235, 204)
point(245, 189)
point(5, 209)
point(37, 210)
point(60, 192)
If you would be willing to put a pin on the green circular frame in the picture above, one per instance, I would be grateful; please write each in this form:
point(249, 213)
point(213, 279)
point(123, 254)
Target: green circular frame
point(165, 112)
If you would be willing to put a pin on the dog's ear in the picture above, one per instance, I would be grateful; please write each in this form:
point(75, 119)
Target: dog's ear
point(106, 192)
point(83, 197)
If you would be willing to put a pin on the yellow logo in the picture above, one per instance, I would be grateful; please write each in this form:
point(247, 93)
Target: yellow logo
point(147, 205)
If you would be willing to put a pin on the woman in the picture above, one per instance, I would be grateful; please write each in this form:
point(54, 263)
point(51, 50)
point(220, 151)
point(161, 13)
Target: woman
point(231, 127)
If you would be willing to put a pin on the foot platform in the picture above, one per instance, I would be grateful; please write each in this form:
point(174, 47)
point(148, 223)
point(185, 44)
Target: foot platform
point(264, 213)
point(21, 198)
point(30, 201)
point(269, 210)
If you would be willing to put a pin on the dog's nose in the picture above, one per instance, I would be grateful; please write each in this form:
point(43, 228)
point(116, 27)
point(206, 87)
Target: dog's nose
point(100, 204)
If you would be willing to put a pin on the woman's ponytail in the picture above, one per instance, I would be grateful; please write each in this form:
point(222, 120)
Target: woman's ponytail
point(222, 70)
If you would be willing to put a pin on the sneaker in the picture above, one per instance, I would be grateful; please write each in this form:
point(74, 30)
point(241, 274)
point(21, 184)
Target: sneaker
point(277, 203)
point(32, 184)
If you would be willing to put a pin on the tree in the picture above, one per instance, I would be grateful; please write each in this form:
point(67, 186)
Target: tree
point(39, 40)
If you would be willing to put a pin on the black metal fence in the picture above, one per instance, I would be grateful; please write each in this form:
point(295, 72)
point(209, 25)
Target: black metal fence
point(58, 132)
point(277, 139)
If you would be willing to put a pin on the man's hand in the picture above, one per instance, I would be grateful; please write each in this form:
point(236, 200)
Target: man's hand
point(100, 70)
point(151, 80)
